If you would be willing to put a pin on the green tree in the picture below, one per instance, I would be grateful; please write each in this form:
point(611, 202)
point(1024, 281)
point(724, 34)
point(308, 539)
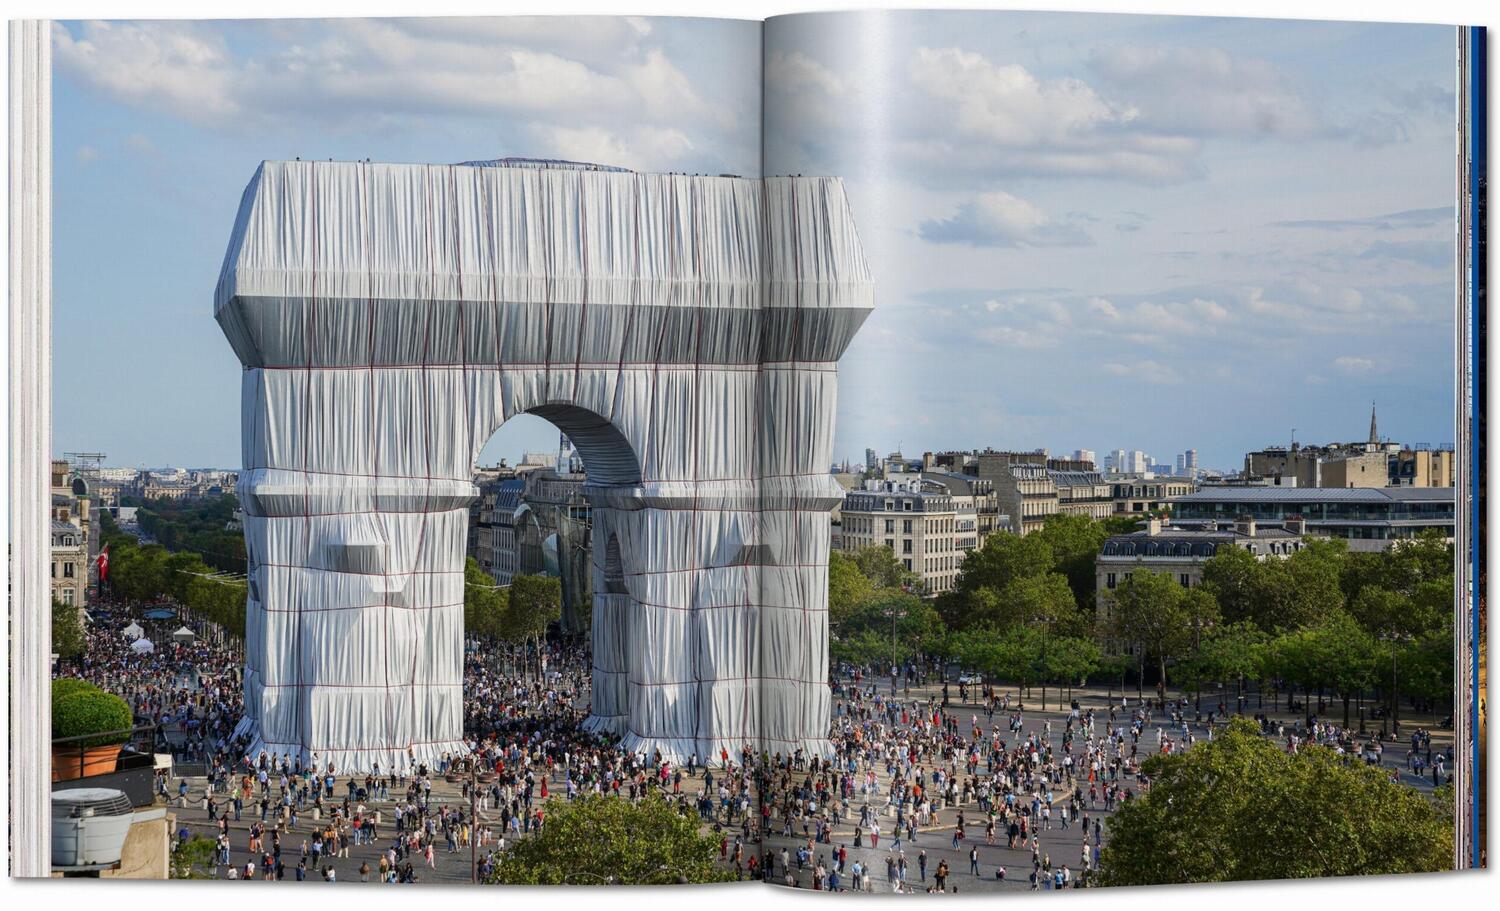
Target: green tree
point(1005, 557)
point(485, 603)
point(1279, 595)
point(862, 647)
point(67, 630)
point(1068, 661)
point(139, 573)
point(193, 859)
point(1403, 567)
point(1045, 600)
point(1232, 576)
point(1240, 808)
point(1075, 542)
point(880, 566)
point(1036, 599)
point(178, 572)
point(848, 586)
point(1121, 525)
point(1425, 667)
point(535, 603)
point(1161, 617)
point(599, 840)
point(1234, 651)
point(909, 625)
point(1345, 655)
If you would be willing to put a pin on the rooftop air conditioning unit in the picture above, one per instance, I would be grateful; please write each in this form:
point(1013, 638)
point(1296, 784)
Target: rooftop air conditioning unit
point(89, 827)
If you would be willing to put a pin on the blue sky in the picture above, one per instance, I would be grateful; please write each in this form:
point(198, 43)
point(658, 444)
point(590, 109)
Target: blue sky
point(1087, 231)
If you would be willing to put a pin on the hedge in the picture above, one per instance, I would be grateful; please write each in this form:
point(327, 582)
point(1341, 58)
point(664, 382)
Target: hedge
point(92, 712)
point(67, 686)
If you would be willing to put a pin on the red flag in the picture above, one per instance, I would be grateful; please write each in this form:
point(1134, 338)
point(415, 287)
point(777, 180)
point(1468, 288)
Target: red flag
point(103, 562)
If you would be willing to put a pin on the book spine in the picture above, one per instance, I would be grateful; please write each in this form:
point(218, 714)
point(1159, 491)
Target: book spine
point(30, 441)
point(1470, 533)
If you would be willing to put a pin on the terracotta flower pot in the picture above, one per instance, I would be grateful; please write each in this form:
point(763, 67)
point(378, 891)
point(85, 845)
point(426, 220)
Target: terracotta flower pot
point(69, 762)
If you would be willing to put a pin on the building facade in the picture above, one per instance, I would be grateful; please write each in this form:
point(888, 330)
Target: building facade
point(1083, 493)
point(1180, 552)
point(71, 517)
point(1423, 468)
point(1367, 519)
point(976, 494)
point(1028, 495)
point(919, 521)
point(1146, 495)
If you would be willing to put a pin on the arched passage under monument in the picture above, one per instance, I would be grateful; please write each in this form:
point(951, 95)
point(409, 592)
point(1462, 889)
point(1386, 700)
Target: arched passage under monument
point(682, 331)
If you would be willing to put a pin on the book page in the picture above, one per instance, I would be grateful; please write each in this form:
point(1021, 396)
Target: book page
point(444, 569)
point(1163, 325)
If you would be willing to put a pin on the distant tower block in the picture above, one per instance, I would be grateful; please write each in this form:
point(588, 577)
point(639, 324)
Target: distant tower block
point(682, 331)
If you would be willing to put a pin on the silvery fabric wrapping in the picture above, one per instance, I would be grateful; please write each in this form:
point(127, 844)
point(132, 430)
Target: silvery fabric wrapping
point(682, 330)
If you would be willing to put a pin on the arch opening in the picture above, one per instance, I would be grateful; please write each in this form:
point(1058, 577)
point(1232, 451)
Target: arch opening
point(608, 458)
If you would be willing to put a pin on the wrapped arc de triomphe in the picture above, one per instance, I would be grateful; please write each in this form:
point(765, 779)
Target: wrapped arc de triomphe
point(682, 331)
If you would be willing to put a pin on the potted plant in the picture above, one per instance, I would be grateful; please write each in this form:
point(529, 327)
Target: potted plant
point(81, 711)
point(67, 686)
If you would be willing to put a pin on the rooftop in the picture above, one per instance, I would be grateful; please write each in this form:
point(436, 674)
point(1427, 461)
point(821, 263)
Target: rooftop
point(1319, 495)
point(1076, 478)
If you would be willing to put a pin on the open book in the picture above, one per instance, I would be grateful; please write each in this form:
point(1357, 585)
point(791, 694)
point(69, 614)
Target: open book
point(641, 467)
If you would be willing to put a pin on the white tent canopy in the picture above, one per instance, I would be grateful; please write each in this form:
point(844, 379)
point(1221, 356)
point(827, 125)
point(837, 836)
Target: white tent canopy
point(133, 631)
point(184, 635)
point(143, 646)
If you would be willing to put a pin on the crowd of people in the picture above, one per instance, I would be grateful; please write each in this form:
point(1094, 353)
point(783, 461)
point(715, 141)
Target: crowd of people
point(902, 768)
point(977, 781)
point(189, 692)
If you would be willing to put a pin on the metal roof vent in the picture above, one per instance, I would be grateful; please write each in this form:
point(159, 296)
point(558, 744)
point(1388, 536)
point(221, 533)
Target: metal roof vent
point(89, 826)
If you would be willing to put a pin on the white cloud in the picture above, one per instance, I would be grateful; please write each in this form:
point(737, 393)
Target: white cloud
point(139, 143)
point(796, 72)
point(979, 115)
point(640, 148)
point(1153, 372)
point(1207, 309)
point(1006, 104)
point(1012, 337)
point(581, 80)
point(1101, 306)
point(181, 68)
point(998, 219)
point(1355, 365)
point(1205, 91)
point(87, 154)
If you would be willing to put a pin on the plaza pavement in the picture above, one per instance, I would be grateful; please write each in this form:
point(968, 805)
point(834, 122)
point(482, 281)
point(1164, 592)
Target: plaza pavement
point(1064, 846)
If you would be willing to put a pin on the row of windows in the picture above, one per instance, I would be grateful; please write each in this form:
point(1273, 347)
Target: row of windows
point(1436, 510)
point(953, 549)
point(1187, 549)
point(888, 504)
point(1112, 580)
point(940, 564)
point(935, 525)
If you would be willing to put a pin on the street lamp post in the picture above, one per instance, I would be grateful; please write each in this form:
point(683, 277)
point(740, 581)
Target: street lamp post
point(1395, 694)
point(473, 820)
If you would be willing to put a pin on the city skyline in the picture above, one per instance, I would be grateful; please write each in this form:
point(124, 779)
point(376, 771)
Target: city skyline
point(1238, 227)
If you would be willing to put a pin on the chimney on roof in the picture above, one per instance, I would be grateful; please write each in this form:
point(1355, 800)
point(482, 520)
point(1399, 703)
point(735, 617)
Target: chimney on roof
point(1295, 525)
point(1245, 525)
point(1153, 526)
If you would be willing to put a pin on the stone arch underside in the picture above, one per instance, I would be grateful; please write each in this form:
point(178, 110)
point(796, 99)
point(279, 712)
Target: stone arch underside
point(683, 331)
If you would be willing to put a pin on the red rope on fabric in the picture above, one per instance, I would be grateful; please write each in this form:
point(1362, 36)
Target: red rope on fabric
point(308, 334)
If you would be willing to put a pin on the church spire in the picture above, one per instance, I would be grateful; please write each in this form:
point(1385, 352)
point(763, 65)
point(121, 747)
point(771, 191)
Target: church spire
point(1374, 437)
